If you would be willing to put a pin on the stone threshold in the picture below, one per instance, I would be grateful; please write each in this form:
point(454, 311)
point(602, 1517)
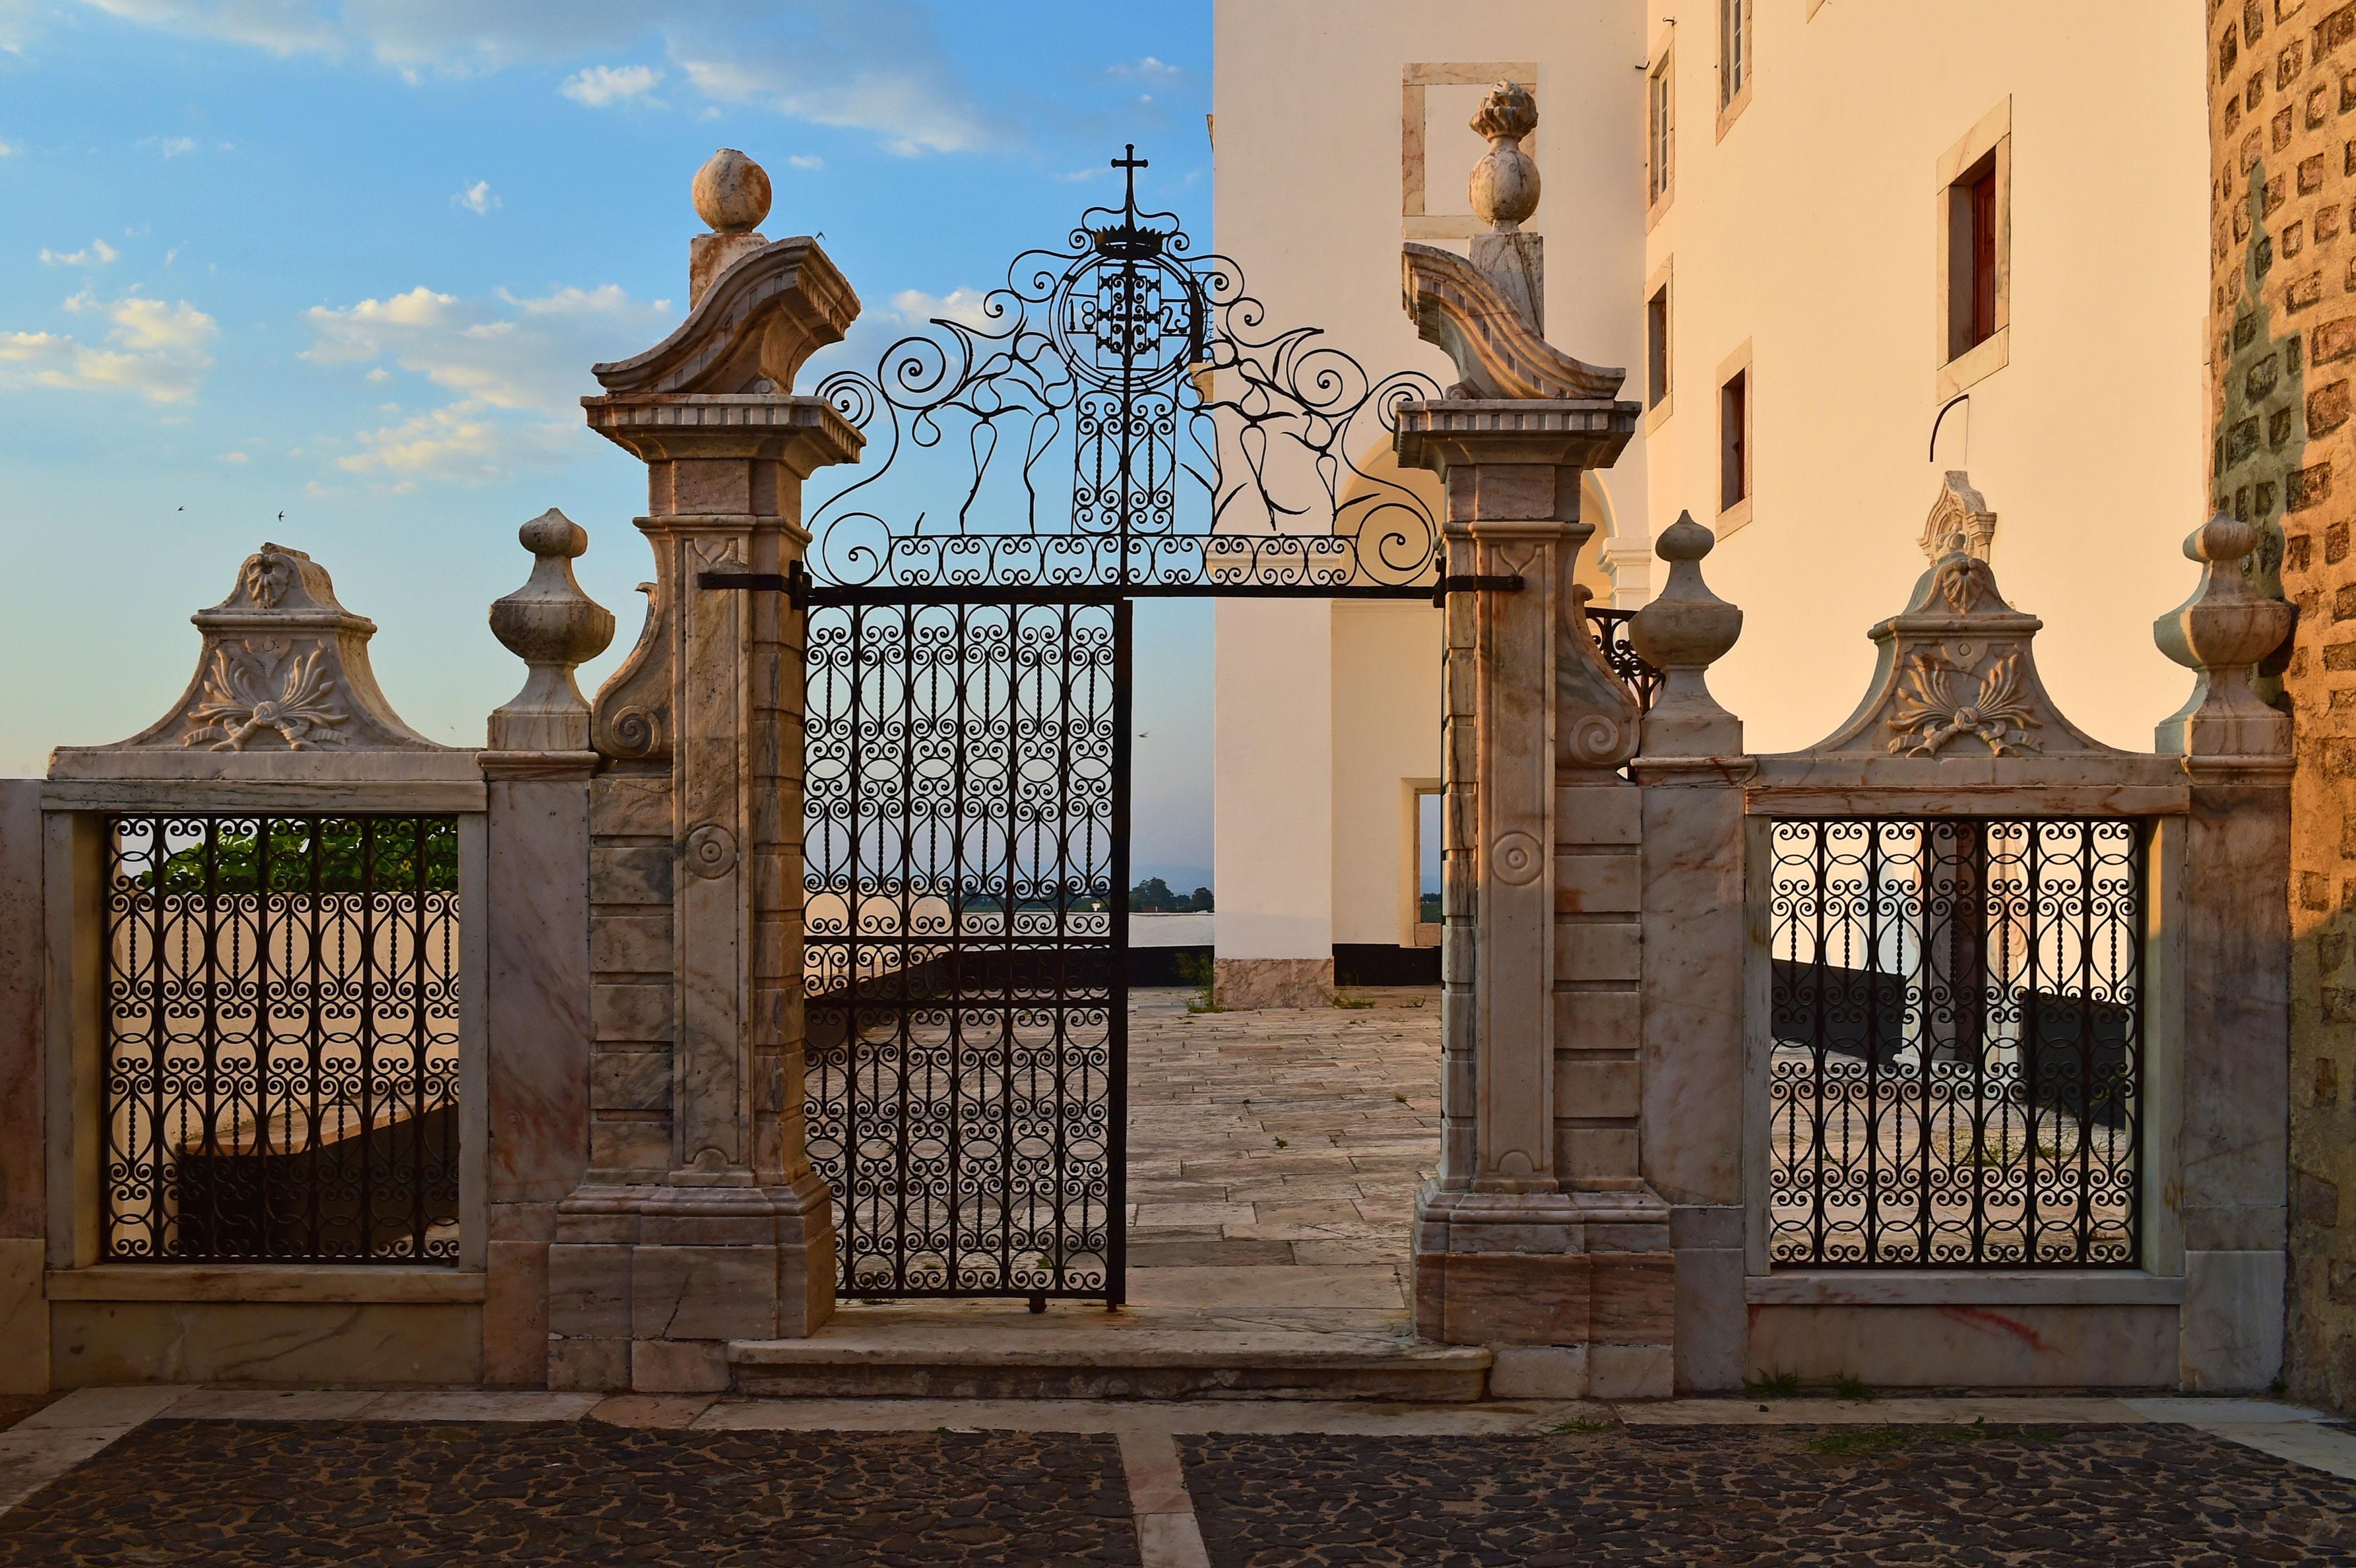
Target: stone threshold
point(1139, 1353)
point(1956, 1287)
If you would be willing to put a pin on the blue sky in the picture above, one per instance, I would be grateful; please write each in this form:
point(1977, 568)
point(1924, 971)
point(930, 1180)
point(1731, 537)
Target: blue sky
point(350, 261)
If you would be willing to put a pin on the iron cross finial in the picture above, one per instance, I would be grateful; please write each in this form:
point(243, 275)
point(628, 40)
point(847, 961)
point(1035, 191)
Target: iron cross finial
point(1132, 163)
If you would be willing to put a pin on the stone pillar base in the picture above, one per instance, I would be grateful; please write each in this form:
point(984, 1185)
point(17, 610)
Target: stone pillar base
point(1273, 982)
point(1577, 1289)
point(648, 1283)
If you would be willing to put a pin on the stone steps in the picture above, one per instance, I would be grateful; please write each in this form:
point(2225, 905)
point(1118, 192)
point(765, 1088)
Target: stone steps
point(915, 1354)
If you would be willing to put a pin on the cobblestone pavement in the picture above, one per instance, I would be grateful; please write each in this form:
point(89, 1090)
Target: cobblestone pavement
point(1274, 1156)
point(2111, 1495)
point(276, 1493)
point(164, 1477)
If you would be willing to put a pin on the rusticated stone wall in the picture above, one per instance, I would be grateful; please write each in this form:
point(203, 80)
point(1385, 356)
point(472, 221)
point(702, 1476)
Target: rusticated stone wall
point(2282, 107)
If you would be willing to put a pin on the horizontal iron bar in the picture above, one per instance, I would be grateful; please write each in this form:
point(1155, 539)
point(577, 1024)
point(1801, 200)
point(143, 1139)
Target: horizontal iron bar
point(747, 581)
point(1106, 593)
point(1474, 584)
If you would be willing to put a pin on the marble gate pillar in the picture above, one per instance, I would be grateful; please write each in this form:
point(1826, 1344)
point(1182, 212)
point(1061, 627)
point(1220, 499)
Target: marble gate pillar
point(1538, 1235)
point(701, 1221)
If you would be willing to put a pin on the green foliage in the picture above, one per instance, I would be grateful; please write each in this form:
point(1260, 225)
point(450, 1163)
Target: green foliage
point(300, 855)
point(1200, 974)
point(1578, 1428)
point(1858, 1441)
point(1847, 1387)
point(1775, 1385)
point(1152, 896)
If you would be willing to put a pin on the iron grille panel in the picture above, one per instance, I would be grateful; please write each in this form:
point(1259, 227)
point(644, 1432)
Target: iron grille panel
point(1957, 1070)
point(966, 835)
point(279, 1039)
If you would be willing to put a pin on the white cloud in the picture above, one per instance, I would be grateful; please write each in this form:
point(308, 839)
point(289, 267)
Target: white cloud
point(603, 86)
point(159, 351)
point(97, 254)
point(807, 161)
point(1147, 69)
point(516, 367)
point(477, 198)
point(6, 151)
point(877, 66)
point(235, 457)
point(169, 146)
point(964, 306)
point(463, 443)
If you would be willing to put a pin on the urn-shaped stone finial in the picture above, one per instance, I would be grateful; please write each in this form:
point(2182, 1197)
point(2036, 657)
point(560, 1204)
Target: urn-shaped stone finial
point(2223, 630)
point(1505, 187)
point(1684, 631)
point(553, 627)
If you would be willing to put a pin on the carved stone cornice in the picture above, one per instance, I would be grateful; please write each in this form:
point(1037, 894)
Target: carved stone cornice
point(1498, 353)
point(1573, 433)
point(751, 331)
point(805, 433)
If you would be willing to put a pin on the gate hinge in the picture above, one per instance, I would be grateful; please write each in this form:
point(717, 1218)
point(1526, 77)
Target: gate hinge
point(1473, 584)
point(793, 583)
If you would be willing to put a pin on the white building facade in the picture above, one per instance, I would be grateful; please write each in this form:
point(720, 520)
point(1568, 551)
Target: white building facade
point(1845, 250)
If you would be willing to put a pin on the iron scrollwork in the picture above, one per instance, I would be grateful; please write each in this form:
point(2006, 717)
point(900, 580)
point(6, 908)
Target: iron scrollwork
point(1130, 419)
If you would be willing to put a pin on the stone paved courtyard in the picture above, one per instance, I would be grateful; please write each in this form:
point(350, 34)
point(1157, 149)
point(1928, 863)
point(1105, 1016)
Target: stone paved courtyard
point(1274, 1156)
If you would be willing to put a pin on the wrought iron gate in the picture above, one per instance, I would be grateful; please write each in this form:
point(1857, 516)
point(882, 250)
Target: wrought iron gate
point(1117, 422)
point(966, 843)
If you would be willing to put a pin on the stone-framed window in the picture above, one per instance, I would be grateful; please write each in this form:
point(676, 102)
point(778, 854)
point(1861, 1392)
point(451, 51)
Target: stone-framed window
point(1423, 801)
point(1660, 131)
point(1737, 462)
point(1974, 255)
point(1737, 49)
point(1659, 321)
point(1436, 100)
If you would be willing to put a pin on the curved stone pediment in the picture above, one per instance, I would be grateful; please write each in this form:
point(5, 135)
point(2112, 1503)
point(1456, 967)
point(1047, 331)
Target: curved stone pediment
point(1955, 675)
point(283, 669)
point(1497, 354)
point(752, 330)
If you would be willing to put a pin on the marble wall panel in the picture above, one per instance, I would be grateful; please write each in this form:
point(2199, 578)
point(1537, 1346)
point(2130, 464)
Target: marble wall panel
point(1712, 1321)
point(538, 989)
point(1693, 993)
point(2232, 1332)
point(515, 1314)
point(1590, 952)
point(1512, 1298)
point(22, 1076)
point(631, 1081)
point(1969, 1346)
point(23, 1315)
point(257, 1342)
point(1599, 1020)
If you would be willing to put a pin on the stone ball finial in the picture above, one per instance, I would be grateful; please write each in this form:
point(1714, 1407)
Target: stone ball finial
point(554, 627)
point(1505, 187)
point(731, 192)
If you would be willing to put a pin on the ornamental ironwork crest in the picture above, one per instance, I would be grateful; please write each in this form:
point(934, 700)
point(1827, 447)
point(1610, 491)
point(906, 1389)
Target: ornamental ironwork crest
point(1119, 414)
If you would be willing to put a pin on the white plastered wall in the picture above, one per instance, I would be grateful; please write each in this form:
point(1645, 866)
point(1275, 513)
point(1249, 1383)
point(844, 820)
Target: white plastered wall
point(1810, 231)
point(1320, 710)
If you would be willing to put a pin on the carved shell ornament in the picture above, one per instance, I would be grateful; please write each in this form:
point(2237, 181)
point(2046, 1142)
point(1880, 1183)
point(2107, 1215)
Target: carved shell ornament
point(265, 690)
point(1929, 711)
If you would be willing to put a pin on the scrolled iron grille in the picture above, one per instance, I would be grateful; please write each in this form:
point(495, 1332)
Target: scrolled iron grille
point(965, 801)
point(1957, 1073)
point(1120, 413)
point(279, 1039)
